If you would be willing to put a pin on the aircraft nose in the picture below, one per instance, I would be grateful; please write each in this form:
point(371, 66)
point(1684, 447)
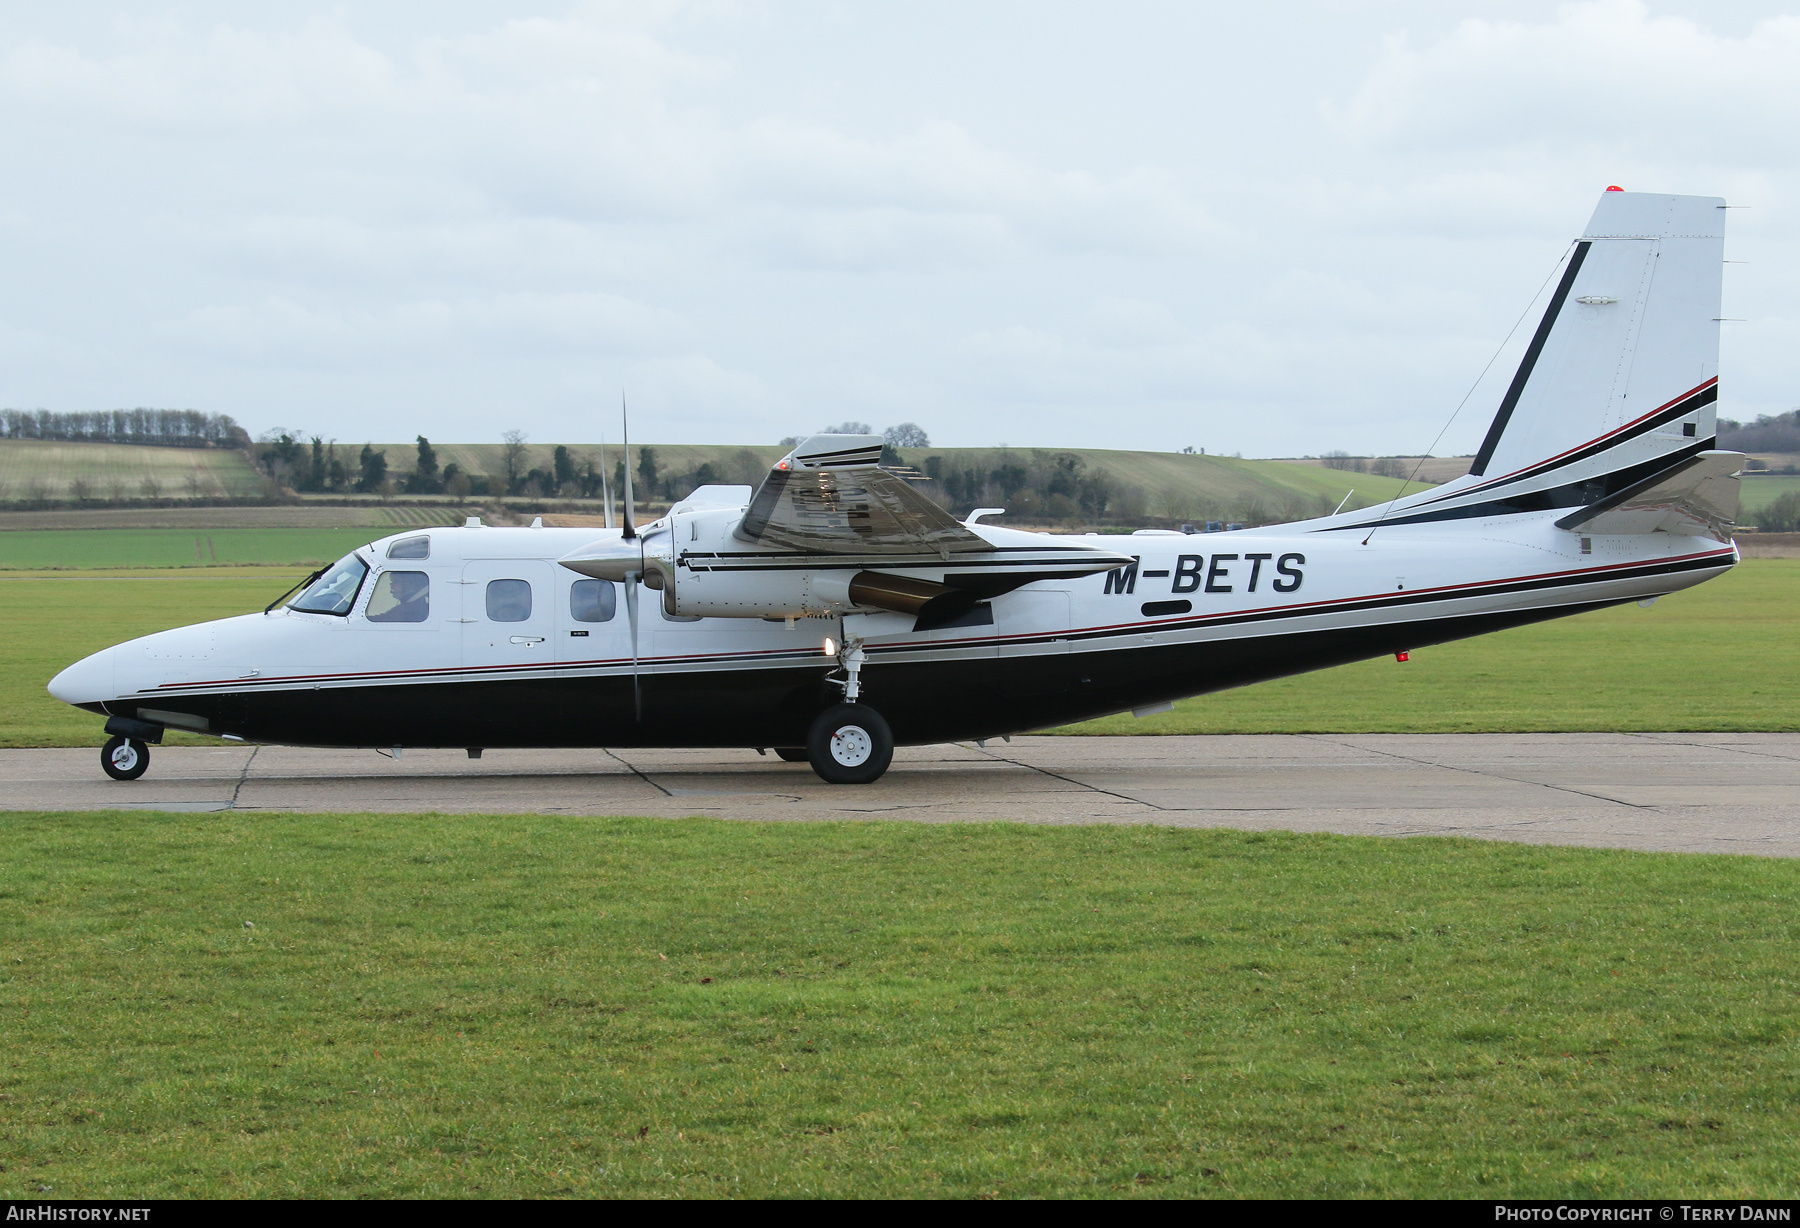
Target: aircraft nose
point(88, 681)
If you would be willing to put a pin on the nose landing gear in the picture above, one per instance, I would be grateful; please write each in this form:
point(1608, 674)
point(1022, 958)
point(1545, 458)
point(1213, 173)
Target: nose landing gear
point(124, 758)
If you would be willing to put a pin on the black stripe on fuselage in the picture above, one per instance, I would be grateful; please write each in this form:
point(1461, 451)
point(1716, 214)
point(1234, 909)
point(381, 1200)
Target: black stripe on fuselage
point(771, 703)
point(924, 702)
point(1683, 405)
point(1574, 494)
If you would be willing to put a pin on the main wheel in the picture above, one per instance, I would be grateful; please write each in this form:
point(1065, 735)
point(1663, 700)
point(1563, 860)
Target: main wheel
point(850, 745)
point(124, 758)
point(792, 754)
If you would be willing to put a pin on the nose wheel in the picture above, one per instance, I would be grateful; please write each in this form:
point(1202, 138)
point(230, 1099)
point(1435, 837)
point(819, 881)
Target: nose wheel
point(124, 758)
point(850, 744)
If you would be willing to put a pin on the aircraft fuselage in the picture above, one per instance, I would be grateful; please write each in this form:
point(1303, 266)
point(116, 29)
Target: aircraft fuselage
point(1193, 614)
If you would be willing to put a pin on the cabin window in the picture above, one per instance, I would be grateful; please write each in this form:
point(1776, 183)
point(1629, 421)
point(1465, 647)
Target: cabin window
point(335, 591)
point(410, 548)
point(593, 601)
point(400, 597)
point(508, 601)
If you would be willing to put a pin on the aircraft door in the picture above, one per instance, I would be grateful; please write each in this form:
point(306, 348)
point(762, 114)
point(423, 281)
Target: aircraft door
point(509, 614)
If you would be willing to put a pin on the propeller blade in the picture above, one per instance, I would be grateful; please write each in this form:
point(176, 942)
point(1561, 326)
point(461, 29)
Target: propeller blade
point(631, 615)
point(630, 530)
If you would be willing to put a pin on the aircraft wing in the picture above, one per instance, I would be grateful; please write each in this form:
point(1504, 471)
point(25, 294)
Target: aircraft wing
point(861, 511)
point(1697, 497)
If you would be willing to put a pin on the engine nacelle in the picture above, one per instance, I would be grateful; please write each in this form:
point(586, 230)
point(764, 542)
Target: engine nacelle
point(758, 594)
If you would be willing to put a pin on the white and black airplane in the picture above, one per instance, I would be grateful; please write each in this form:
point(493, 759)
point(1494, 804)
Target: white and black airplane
point(834, 611)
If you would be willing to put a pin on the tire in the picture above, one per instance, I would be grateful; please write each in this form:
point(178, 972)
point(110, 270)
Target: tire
point(850, 745)
point(792, 754)
point(124, 758)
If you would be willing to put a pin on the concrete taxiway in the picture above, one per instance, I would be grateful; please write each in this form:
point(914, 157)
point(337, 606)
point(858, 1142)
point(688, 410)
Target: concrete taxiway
point(1715, 793)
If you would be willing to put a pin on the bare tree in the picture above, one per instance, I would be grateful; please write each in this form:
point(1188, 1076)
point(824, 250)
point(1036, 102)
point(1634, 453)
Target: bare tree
point(906, 435)
point(150, 488)
point(512, 455)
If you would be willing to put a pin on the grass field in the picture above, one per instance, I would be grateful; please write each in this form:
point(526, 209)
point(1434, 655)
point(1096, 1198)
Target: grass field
point(1722, 656)
point(1756, 493)
point(36, 469)
point(82, 549)
point(386, 517)
point(548, 1006)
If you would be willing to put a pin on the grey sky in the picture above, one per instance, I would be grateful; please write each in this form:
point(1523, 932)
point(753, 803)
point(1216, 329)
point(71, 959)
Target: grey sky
point(1274, 229)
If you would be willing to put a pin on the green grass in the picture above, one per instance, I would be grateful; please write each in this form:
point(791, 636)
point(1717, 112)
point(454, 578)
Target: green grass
point(307, 513)
point(36, 469)
point(526, 1006)
point(1722, 656)
point(1718, 657)
point(39, 549)
point(1756, 493)
point(58, 619)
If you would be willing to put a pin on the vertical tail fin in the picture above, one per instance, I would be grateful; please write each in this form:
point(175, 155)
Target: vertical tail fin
point(1622, 372)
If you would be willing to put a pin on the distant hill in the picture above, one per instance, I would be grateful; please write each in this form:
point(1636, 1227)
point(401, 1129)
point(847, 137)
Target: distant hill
point(1040, 486)
point(34, 470)
point(1155, 485)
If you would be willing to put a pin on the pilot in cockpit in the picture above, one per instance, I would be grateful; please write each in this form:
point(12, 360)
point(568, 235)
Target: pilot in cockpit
point(401, 597)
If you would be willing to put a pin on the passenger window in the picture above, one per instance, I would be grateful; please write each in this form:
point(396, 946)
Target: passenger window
point(593, 601)
point(508, 601)
point(410, 548)
point(400, 597)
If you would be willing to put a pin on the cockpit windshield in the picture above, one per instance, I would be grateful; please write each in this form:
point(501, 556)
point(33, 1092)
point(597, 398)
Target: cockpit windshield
point(335, 591)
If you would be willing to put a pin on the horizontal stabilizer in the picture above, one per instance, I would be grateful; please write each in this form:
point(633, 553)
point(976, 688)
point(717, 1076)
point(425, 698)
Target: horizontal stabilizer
point(834, 452)
point(1696, 497)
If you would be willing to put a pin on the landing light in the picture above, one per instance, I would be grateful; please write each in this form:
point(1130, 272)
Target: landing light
point(830, 647)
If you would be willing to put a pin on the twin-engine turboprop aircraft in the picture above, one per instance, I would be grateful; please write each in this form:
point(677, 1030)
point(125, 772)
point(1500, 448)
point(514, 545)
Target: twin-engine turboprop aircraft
point(834, 611)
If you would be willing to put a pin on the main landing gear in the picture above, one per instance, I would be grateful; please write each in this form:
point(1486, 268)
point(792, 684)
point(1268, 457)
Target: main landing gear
point(849, 743)
point(125, 758)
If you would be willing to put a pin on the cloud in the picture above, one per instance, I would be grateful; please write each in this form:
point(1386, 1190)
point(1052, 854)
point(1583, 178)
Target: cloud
point(765, 218)
point(283, 332)
point(1604, 74)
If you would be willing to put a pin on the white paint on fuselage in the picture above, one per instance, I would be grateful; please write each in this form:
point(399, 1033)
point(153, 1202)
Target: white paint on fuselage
point(288, 649)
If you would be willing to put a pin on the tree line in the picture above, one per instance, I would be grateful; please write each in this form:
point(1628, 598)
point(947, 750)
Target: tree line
point(1035, 485)
point(165, 428)
point(1769, 433)
point(1380, 466)
point(320, 466)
